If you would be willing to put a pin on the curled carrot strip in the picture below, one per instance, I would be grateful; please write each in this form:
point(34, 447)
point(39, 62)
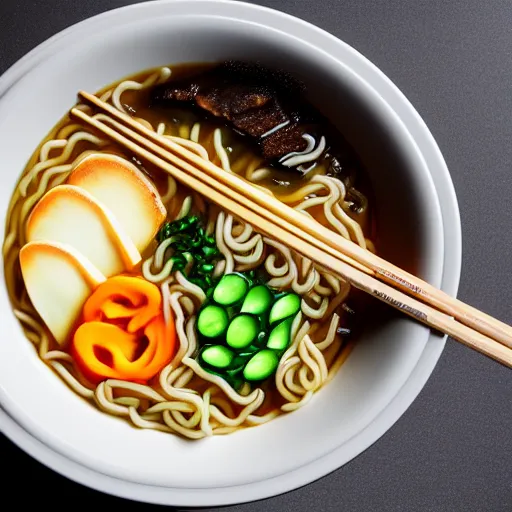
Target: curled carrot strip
point(124, 335)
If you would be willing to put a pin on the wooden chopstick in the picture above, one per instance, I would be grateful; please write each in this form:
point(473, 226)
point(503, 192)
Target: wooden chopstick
point(351, 252)
point(272, 225)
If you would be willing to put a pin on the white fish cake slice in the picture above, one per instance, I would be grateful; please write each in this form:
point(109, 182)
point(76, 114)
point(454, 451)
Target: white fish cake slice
point(125, 191)
point(70, 215)
point(58, 280)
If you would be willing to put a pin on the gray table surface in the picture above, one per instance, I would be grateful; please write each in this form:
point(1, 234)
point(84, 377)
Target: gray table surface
point(452, 450)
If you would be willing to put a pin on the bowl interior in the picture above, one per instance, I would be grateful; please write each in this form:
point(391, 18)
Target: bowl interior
point(410, 234)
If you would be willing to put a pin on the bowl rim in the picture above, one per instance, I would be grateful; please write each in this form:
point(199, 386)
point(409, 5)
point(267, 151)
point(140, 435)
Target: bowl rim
point(450, 279)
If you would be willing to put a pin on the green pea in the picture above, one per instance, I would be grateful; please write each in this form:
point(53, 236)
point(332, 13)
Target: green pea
point(261, 366)
point(257, 301)
point(231, 289)
point(279, 338)
point(284, 307)
point(217, 356)
point(212, 321)
point(241, 331)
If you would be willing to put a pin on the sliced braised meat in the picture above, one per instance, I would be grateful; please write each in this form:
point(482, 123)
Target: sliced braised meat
point(232, 100)
point(174, 92)
point(264, 104)
point(282, 142)
point(259, 121)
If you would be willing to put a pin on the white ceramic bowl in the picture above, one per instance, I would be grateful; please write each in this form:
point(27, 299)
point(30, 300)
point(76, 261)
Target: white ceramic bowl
point(419, 228)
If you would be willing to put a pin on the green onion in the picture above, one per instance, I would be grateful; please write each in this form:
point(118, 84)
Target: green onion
point(193, 251)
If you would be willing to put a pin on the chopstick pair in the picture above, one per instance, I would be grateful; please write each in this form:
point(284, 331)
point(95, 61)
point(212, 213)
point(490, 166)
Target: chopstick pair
point(303, 234)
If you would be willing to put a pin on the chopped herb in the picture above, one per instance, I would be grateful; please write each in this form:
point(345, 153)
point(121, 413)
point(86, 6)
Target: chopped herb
point(193, 251)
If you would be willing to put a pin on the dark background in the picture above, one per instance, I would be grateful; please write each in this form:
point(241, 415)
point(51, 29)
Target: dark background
point(452, 450)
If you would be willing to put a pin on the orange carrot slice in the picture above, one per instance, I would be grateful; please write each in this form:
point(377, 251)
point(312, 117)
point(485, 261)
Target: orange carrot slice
point(124, 335)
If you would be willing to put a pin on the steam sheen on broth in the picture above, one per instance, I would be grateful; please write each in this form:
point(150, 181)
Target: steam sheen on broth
point(175, 315)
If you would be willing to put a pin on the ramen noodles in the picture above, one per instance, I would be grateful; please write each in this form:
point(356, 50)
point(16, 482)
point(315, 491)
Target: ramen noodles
point(153, 303)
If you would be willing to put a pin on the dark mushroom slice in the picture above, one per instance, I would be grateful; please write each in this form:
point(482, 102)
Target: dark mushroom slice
point(268, 106)
point(260, 122)
point(232, 100)
point(256, 101)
